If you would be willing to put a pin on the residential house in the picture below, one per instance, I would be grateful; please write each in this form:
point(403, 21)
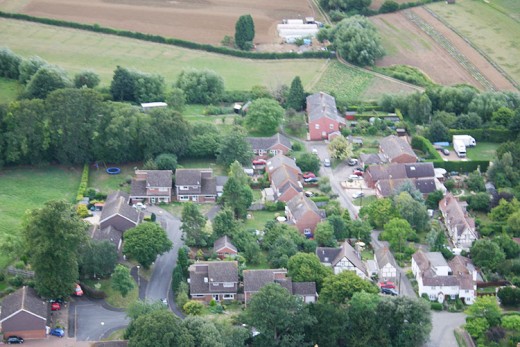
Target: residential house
point(118, 214)
point(438, 279)
point(388, 187)
point(461, 227)
point(281, 161)
point(223, 247)
point(397, 150)
point(286, 184)
point(385, 263)
point(372, 159)
point(269, 146)
point(24, 314)
point(344, 258)
point(254, 280)
point(110, 234)
point(152, 186)
point(220, 182)
point(196, 185)
point(214, 280)
point(323, 116)
point(303, 213)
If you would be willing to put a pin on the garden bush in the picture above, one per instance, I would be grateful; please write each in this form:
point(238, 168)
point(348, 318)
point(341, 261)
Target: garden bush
point(436, 306)
point(424, 145)
point(93, 292)
point(83, 183)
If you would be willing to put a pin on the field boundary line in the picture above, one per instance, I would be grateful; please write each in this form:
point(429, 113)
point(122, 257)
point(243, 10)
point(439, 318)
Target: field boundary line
point(319, 75)
point(380, 75)
point(475, 47)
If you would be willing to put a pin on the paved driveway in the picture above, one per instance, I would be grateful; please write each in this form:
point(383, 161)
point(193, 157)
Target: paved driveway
point(94, 322)
point(444, 324)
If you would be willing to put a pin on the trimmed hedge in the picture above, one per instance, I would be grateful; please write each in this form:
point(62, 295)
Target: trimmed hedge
point(489, 135)
point(83, 184)
point(320, 198)
point(423, 144)
point(462, 166)
point(169, 41)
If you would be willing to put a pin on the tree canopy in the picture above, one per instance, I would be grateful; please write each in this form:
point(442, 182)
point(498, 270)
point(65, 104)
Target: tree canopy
point(244, 32)
point(264, 115)
point(52, 237)
point(234, 147)
point(193, 223)
point(296, 98)
point(338, 289)
point(340, 148)
point(201, 86)
point(306, 267)
point(145, 242)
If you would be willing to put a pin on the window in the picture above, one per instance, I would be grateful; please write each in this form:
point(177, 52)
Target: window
point(184, 198)
point(197, 296)
point(228, 285)
point(316, 126)
point(229, 296)
point(163, 189)
point(215, 284)
point(183, 188)
point(331, 126)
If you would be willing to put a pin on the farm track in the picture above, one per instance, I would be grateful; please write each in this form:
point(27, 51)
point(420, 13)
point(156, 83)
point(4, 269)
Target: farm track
point(460, 48)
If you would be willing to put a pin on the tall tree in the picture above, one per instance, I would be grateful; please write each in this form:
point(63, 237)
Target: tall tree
point(244, 32)
point(145, 242)
point(413, 211)
point(9, 63)
point(122, 281)
point(234, 147)
point(340, 148)
point(224, 223)
point(308, 162)
point(28, 67)
point(122, 87)
point(193, 223)
point(47, 79)
point(264, 116)
point(86, 79)
point(205, 141)
point(237, 196)
point(158, 328)
point(379, 212)
point(201, 86)
point(358, 41)
point(338, 289)
point(203, 331)
point(285, 320)
point(306, 267)
point(397, 232)
point(176, 99)
point(97, 258)
point(53, 235)
point(324, 235)
point(296, 99)
point(486, 253)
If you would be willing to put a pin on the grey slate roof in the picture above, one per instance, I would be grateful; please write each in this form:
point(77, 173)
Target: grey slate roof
point(384, 256)
point(138, 187)
point(202, 178)
point(394, 146)
point(388, 187)
point(223, 242)
point(265, 143)
point(427, 262)
point(300, 204)
point(188, 177)
point(304, 288)
point(25, 299)
point(279, 161)
point(345, 251)
point(117, 203)
point(256, 279)
point(373, 158)
point(418, 170)
point(109, 233)
point(455, 214)
point(204, 274)
point(321, 105)
point(283, 174)
point(159, 178)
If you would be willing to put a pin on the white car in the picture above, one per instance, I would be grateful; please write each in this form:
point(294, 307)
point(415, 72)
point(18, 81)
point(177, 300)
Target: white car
point(326, 162)
point(355, 177)
point(140, 206)
point(314, 150)
point(358, 195)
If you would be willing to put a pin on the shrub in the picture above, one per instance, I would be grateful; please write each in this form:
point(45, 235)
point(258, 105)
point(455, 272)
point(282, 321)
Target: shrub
point(82, 211)
point(511, 322)
point(93, 292)
point(436, 306)
point(193, 307)
point(297, 146)
point(509, 296)
point(2, 276)
point(424, 145)
point(83, 183)
point(16, 281)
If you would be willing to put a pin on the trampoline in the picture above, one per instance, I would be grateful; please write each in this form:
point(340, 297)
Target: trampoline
point(113, 170)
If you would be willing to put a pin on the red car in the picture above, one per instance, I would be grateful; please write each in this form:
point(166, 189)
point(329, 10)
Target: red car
point(309, 175)
point(358, 173)
point(78, 291)
point(55, 306)
point(387, 284)
point(259, 162)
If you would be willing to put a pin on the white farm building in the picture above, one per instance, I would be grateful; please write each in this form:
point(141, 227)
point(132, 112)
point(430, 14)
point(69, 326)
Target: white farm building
point(293, 29)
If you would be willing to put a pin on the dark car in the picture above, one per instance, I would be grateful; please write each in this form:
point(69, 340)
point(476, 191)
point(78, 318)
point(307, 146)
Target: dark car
point(14, 339)
point(389, 291)
point(311, 180)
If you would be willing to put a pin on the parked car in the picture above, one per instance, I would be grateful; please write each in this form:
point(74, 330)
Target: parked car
point(308, 193)
point(139, 205)
point(359, 169)
point(326, 162)
point(352, 162)
point(259, 162)
point(14, 339)
point(311, 180)
point(358, 173)
point(58, 332)
point(164, 301)
point(314, 150)
point(387, 284)
point(389, 291)
point(358, 195)
point(445, 151)
point(308, 175)
point(55, 306)
point(355, 177)
point(78, 291)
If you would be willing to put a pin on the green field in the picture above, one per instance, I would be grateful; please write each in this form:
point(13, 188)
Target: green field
point(25, 188)
point(105, 183)
point(494, 31)
point(75, 50)
point(482, 151)
point(346, 83)
point(9, 90)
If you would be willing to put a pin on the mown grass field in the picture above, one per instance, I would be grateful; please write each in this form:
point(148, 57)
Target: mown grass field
point(9, 90)
point(482, 151)
point(75, 50)
point(494, 27)
point(24, 188)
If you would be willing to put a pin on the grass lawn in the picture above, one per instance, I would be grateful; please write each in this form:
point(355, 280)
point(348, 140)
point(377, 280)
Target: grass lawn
point(114, 298)
point(75, 50)
point(218, 170)
point(117, 335)
point(482, 151)
point(175, 208)
point(262, 263)
point(493, 29)
point(9, 90)
point(367, 254)
point(259, 218)
point(364, 201)
point(22, 189)
point(99, 179)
